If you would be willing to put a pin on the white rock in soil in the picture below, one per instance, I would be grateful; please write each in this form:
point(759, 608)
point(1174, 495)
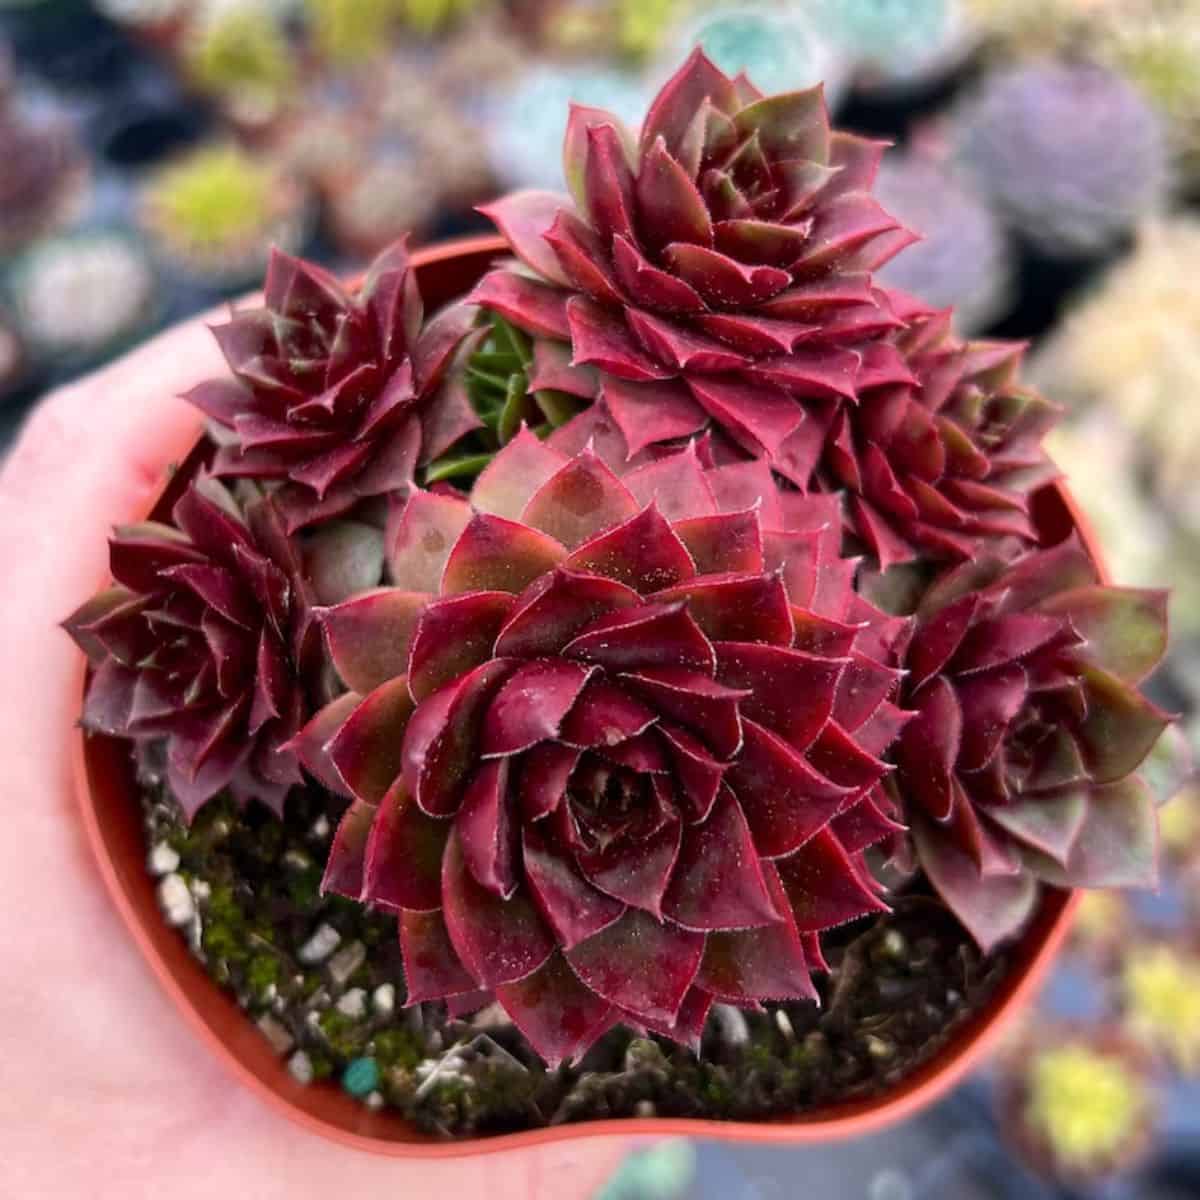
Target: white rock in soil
point(276, 1032)
point(175, 900)
point(301, 1067)
point(320, 828)
point(353, 1003)
point(374, 1100)
point(732, 1024)
point(162, 859)
point(345, 962)
point(784, 1022)
point(491, 1017)
point(383, 999)
point(320, 946)
point(644, 1108)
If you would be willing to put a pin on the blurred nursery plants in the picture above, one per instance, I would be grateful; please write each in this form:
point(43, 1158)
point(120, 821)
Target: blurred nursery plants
point(216, 213)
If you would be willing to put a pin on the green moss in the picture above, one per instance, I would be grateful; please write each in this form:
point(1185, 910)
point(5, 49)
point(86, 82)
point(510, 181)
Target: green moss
point(261, 973)
point(397, 1048)
point(347, 1036)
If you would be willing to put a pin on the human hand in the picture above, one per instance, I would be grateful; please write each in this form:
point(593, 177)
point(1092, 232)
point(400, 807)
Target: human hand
point(103, 1090)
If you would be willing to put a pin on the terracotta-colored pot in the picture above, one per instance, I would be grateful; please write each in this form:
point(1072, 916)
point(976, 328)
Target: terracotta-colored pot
point(112, 818)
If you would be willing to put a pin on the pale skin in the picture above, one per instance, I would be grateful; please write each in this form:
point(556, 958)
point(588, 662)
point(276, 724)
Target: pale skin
point(104, 1091)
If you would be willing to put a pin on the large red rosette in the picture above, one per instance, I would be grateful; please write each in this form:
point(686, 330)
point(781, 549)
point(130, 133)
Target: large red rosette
point(612, 744)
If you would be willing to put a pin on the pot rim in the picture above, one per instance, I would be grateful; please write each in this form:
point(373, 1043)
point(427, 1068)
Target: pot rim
point(207, 1004)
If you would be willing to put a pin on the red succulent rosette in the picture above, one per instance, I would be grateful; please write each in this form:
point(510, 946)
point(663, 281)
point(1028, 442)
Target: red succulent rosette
point(716, 271)
point(1020, 764)
point(942, 450)
point(202, 641)
point(612, 743)
point(328, 388)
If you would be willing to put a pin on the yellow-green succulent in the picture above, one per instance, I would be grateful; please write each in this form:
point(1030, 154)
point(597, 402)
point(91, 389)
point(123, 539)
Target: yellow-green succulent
point(219, 208)
point(241, 54)
point(1161, 992)
point(1086, 1105)
point(351, 31)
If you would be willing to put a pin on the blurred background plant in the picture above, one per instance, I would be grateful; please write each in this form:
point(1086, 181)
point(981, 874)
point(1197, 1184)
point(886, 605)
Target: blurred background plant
point(1048, 151)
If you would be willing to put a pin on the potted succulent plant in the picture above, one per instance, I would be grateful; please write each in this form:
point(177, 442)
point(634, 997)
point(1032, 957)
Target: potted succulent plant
point(665, 685)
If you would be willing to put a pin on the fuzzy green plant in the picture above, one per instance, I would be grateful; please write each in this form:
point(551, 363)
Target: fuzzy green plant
point(218, 210)
point(1085, 1105)
point(1160, 988)
point(241, 55)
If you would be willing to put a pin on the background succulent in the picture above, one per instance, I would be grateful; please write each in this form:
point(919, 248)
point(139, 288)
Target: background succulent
point(893, 43)
point(1132, 348)
point(1078, 1105)
point(775, 45)
point(527, 119)
point(44, 173)
point(1160, 1000)
point(571, 769)
point(217, 211)
point(237, 51)
point(79, 294)
point(964, 259)
point(1067, 195)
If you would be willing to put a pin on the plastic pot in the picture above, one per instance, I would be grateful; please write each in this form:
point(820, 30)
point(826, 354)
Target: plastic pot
point(112, 819)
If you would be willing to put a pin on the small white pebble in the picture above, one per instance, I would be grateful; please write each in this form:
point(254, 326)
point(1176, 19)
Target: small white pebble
point(374, 1100)
point(321, 945)
point(276, 1033)
point(345, 962)
point(320, 828)
point(301, 1067)
point(383, 999)
point(644, 1108)
point(731, 1023)
point(783, 1021)
point(162, 860)
point(491, 1017)
point(353, 1003)
point(175, 900)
